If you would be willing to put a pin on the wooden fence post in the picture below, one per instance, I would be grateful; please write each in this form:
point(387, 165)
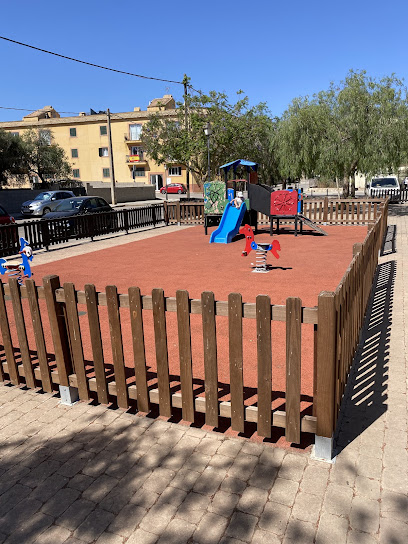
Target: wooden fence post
point(60, 339)
point(326, 375)
point(325, 209)
point(357, 248)
point(178, 212)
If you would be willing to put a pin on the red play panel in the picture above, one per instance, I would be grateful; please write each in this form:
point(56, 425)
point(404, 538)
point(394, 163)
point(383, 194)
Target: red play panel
point(284, 202)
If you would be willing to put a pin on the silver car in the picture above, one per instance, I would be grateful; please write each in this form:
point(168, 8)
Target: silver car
point(44, 202)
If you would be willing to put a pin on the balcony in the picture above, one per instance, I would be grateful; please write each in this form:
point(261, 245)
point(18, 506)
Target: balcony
point(129, 139)
point(135, 159)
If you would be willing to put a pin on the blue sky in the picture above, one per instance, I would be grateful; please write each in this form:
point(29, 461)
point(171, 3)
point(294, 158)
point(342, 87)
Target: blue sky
point(274, 51)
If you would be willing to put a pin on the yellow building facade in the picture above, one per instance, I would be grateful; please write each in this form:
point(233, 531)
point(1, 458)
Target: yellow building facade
point(85, 141)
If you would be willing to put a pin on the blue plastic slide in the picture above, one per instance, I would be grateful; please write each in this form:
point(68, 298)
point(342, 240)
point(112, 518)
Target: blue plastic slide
point(230, 222)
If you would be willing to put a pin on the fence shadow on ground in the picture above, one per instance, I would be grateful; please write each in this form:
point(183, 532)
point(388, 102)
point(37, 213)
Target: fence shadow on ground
point(365, 397)
point(397, 210)
point(390, 238)
point(91, 470)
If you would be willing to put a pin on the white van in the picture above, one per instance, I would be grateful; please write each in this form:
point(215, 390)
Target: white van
point(381, 186)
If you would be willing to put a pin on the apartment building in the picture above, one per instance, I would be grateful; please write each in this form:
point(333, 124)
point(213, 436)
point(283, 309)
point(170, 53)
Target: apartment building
point(84, 139)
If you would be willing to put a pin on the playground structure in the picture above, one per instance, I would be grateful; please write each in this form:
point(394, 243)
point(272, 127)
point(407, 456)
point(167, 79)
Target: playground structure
point(20, 271)
point(276, 205)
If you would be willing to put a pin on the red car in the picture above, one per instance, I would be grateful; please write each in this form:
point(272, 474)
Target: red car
point(5, 218)
point(177, 188)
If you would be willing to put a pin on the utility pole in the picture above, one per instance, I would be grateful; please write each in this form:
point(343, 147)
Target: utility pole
point(111, 168)
point(185, 81)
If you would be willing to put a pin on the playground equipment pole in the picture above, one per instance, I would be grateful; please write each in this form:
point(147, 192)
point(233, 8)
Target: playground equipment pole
point(208, 132)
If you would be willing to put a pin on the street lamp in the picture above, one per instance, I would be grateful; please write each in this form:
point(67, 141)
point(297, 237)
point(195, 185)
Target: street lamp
point(208, 132)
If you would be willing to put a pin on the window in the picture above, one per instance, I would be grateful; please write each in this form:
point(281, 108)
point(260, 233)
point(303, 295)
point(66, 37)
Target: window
point(135, 131)
point(74, 153)
point(103, 152)
point(103, 130)
point(106, 173)
point(138, 172)
point(75, 173)
point(45, 135)
point(72, 132)
point(15, 134)
point(175, 171)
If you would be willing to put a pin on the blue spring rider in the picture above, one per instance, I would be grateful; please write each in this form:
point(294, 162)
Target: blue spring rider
point(23, 270)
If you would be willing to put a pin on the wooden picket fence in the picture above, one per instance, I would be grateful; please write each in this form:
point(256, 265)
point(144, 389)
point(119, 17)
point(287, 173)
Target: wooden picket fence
point(337, 321)
point(319, 210)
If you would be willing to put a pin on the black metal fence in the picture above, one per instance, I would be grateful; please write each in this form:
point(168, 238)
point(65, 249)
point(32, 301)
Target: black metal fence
point(395, 195)
point(44, 233)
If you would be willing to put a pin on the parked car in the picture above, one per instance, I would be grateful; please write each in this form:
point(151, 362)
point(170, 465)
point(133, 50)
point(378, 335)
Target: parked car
point(5, 218)
point(79, 205)
point(44, 202)
point(380, 186)
point(177, 188)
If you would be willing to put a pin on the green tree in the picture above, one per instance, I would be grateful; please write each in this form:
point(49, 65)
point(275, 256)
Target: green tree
point(43, 158)
point(360, 125)
point(238, 131)
point(11, 155)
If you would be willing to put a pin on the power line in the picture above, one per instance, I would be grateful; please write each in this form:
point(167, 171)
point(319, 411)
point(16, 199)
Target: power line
point(33, 109)
point(90, 63)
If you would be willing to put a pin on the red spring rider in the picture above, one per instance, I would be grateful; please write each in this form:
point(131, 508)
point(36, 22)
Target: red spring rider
point(251, 244)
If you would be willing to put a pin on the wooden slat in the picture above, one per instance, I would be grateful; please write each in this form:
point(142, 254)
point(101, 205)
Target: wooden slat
point(96, 342)
point(57, 319)
point(236, 359)
point(139, 356)
point(264, 347)
point(184, 338)
point(21, 332)
point(45, 372)
point(117, 346)
point(293, 361)
point(210, 358)
point(7, 341)
point(76, 340)
point(162, 361)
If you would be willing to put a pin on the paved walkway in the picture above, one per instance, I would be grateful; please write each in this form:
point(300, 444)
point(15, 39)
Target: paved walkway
point(92, 474)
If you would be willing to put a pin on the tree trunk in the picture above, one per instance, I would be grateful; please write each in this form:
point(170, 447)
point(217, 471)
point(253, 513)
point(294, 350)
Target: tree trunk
point(346, 186)
point(353, 187)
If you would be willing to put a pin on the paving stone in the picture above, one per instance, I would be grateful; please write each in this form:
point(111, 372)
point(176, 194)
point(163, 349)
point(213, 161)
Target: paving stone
point(110, 538)
point(292, 467)
point(337, 500)
point(142, 537)
point(301, 532)
point(145, 498)
point(40, 472)
point(307, 507)
point(12, 497)
point(172, 495)
point(242, 526)
point(223, 503)
point(159, 480)
point(94, 525)
point(365, 515)
point(30, 531)
point(243, 466)
point(233, 485)
point(75, 514)
point(332, 529)
point(284, 491)
point(253, 500)
point(394, 505)
point(53, 534)
point(263, 477)
point(230, 448)
point(357, 537)
point(393, 531)
point(80, 482)
point(264, 537)
point(209, 481)
point(127, 520)
point(315, 479)
point(210, 529)
point(57, 504)
point(178, 530)
point(275, 518)
point(19, 515)
point(99, 488)
point(157, 519)
point(367, 487)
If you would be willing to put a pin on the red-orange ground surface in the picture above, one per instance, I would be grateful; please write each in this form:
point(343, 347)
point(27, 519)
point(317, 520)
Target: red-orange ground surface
point(308, 265)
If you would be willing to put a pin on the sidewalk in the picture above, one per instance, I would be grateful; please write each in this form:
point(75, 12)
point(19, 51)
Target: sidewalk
point(87, 473)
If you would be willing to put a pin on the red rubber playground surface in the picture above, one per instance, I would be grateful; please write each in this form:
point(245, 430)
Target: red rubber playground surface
point(308, 265)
